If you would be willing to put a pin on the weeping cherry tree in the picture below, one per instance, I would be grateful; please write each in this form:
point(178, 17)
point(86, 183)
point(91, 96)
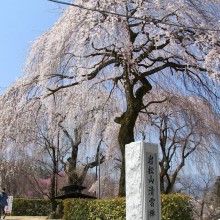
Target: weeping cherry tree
point(127, 47)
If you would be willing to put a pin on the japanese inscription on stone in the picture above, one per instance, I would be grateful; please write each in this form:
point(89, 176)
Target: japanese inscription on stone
point(152, 186)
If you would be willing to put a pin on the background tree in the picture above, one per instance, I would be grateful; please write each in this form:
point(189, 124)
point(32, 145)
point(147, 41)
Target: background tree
point(183, 127)
point(66, 126)
point(200, 188)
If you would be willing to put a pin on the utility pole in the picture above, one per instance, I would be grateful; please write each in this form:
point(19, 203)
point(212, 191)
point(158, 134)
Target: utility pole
point(99, 192)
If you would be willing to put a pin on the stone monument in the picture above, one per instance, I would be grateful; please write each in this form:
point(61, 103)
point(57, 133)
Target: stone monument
point(142, 182)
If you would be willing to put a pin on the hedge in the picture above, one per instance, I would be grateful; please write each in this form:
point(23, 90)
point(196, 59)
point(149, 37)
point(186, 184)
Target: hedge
point(174, 207)
point(79, 209)
point(32, 207)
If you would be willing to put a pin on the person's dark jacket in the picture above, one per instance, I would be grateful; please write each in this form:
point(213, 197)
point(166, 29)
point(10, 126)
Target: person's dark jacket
point(3, 199)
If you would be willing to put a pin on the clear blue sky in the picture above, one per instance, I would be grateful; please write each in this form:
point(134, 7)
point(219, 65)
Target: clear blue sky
point(21, 21)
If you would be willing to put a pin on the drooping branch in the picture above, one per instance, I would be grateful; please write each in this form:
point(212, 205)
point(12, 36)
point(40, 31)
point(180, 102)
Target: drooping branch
point(148, 19)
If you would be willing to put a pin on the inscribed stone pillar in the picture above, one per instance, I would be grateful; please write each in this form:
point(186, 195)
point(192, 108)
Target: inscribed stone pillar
point(142, 181)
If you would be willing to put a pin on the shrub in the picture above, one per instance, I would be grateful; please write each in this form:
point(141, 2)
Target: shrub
point(32, 207)
point(76, 209)
point(174, 207)
point(105, 209)
point(108, 209)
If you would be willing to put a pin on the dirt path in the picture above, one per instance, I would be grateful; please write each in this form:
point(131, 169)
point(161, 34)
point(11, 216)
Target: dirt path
point(26, 217)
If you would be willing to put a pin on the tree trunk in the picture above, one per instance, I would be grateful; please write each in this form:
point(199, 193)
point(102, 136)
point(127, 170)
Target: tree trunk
point(128, 119)
point(126, 136)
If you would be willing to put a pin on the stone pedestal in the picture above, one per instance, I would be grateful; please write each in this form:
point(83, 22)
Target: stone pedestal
point(142, 182)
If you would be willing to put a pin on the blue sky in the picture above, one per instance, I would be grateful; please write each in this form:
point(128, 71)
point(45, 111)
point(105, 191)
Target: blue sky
point(21, 21)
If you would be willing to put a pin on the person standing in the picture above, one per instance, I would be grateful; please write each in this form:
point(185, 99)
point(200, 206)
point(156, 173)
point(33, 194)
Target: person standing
point(3, 202)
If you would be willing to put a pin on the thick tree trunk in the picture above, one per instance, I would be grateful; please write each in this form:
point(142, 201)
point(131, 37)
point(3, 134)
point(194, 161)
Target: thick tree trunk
point(126, 136)
point(128, 119)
